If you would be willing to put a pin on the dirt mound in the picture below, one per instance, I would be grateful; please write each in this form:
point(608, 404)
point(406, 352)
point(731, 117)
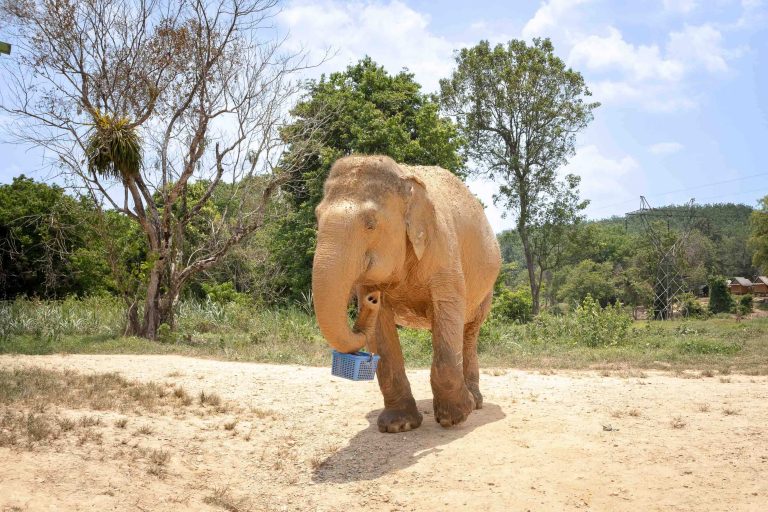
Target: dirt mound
point(295, 438)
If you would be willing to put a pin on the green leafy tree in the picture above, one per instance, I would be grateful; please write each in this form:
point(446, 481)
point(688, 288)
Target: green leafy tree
point(520, 108)
point(150, 107)
point(720, 300)
point(48, 247)
point(366, 110)
point(588, 278)
point(758, 239)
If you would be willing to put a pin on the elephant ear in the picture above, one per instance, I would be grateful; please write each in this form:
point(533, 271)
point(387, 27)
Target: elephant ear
point(419, 215)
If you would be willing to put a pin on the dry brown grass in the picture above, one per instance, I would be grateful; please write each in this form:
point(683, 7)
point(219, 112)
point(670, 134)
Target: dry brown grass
point(634, 412)
point(703, 407)
point(725, 380)
point(678, 422)
point(222, 497)
point(144, 430)
point(211, 399)
point(230, 425)
point(36, 388)
point(730, 411)
point(158, 460)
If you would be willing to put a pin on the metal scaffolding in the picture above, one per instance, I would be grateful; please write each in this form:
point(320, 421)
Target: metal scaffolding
point(669, 282)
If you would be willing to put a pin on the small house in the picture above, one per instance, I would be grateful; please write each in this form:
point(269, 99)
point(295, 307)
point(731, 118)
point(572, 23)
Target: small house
point(740, 286)
point(760, 286)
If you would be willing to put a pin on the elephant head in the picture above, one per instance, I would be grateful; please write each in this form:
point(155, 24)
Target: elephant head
point(372, 217)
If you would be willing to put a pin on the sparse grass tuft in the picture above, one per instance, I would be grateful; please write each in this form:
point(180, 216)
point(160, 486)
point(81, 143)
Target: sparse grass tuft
point(121, 423)
point(634, 412)
point(222, 498)
point(89, 421)
point(144, 430)
point(158, 460)
point(678, 422)
point(230, 425)
point(725, 380)
point(65, 424)
point(730, 411)
point(89, 435)
point(707, 373)
point(703, 407)
point(211, 399)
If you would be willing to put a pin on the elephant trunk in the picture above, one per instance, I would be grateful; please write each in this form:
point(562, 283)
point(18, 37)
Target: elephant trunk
point(334, 271)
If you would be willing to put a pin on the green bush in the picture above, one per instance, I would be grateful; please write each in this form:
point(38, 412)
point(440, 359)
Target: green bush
point(222, 293)
point(720, 300)
point(515, 306)
point(596, 326)
point(746, 305)
point(690, 307)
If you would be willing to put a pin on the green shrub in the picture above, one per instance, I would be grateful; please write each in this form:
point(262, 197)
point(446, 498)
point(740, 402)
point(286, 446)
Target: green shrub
point(746, 305)
point(720, 300)
point(596, 326)
point(223, 293)
point(690, 307)
point(515, 306)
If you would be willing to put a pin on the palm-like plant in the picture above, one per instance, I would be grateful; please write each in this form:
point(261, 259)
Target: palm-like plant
point(113, 147)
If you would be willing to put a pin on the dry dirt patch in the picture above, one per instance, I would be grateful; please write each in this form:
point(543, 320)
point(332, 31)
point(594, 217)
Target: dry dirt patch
point(240, 436)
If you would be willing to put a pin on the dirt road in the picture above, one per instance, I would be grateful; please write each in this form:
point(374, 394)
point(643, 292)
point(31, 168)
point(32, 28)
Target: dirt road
point(303, 440)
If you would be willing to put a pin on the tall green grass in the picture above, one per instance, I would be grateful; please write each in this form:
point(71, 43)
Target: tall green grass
point(588, 337)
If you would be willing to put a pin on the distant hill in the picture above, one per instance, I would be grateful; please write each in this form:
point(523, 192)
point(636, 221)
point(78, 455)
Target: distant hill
point(714, 220)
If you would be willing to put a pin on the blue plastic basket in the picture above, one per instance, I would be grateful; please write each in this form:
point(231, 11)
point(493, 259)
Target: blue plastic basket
point(357, 366)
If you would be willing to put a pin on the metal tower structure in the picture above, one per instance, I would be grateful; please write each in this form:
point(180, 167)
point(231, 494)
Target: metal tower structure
point(669, 283)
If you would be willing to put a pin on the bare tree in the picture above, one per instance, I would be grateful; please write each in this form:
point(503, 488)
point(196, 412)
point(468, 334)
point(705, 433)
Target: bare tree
point(139, 101)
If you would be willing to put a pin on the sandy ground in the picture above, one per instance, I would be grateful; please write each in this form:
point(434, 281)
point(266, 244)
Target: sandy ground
point(308, 441)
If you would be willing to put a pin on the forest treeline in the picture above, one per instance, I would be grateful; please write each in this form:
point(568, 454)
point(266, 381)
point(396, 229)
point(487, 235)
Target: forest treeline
point(194, 167)
point(54, 246)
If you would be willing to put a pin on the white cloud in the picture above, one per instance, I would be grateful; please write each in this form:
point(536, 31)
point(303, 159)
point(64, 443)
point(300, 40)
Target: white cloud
point(654, 77)
point(390, 32)
point(680, 6)
point(700, 46)
point(665, 148)
point(549, 17)
point(613, 52)
point(606, 182)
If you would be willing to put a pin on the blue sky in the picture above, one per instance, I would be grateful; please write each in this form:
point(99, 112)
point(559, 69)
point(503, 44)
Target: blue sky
point(684, 83)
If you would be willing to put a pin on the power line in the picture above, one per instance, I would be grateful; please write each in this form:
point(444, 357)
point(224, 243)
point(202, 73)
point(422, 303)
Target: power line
point(698, 187)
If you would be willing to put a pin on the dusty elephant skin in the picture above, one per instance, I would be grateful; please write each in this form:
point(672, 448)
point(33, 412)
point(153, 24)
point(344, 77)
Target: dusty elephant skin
point(414, 245)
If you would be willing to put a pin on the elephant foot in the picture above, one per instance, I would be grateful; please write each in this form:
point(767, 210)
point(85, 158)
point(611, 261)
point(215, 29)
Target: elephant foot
point(399, 420)
point(475, 390)
point(451, 411)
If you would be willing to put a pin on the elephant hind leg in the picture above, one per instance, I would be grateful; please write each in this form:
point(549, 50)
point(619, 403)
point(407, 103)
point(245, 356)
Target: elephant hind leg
point(471, 365)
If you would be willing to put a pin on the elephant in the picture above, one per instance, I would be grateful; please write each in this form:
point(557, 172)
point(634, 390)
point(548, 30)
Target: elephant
point(415, 247)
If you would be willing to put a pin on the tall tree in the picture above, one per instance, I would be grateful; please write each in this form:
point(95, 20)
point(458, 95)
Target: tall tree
point(368, 111)
point(758, 239)
point(520, 108)
point(137, 101)
point(48, 247)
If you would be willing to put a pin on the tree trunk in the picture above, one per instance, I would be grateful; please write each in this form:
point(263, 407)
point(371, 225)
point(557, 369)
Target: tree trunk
point(530, 264)
point(152, 319)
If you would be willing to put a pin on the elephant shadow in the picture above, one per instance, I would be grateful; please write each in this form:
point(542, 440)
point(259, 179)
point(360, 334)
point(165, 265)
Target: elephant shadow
point(371, 454)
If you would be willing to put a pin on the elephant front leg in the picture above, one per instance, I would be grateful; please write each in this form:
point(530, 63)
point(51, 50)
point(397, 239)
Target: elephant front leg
point(453, 402)
point(400, 413)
